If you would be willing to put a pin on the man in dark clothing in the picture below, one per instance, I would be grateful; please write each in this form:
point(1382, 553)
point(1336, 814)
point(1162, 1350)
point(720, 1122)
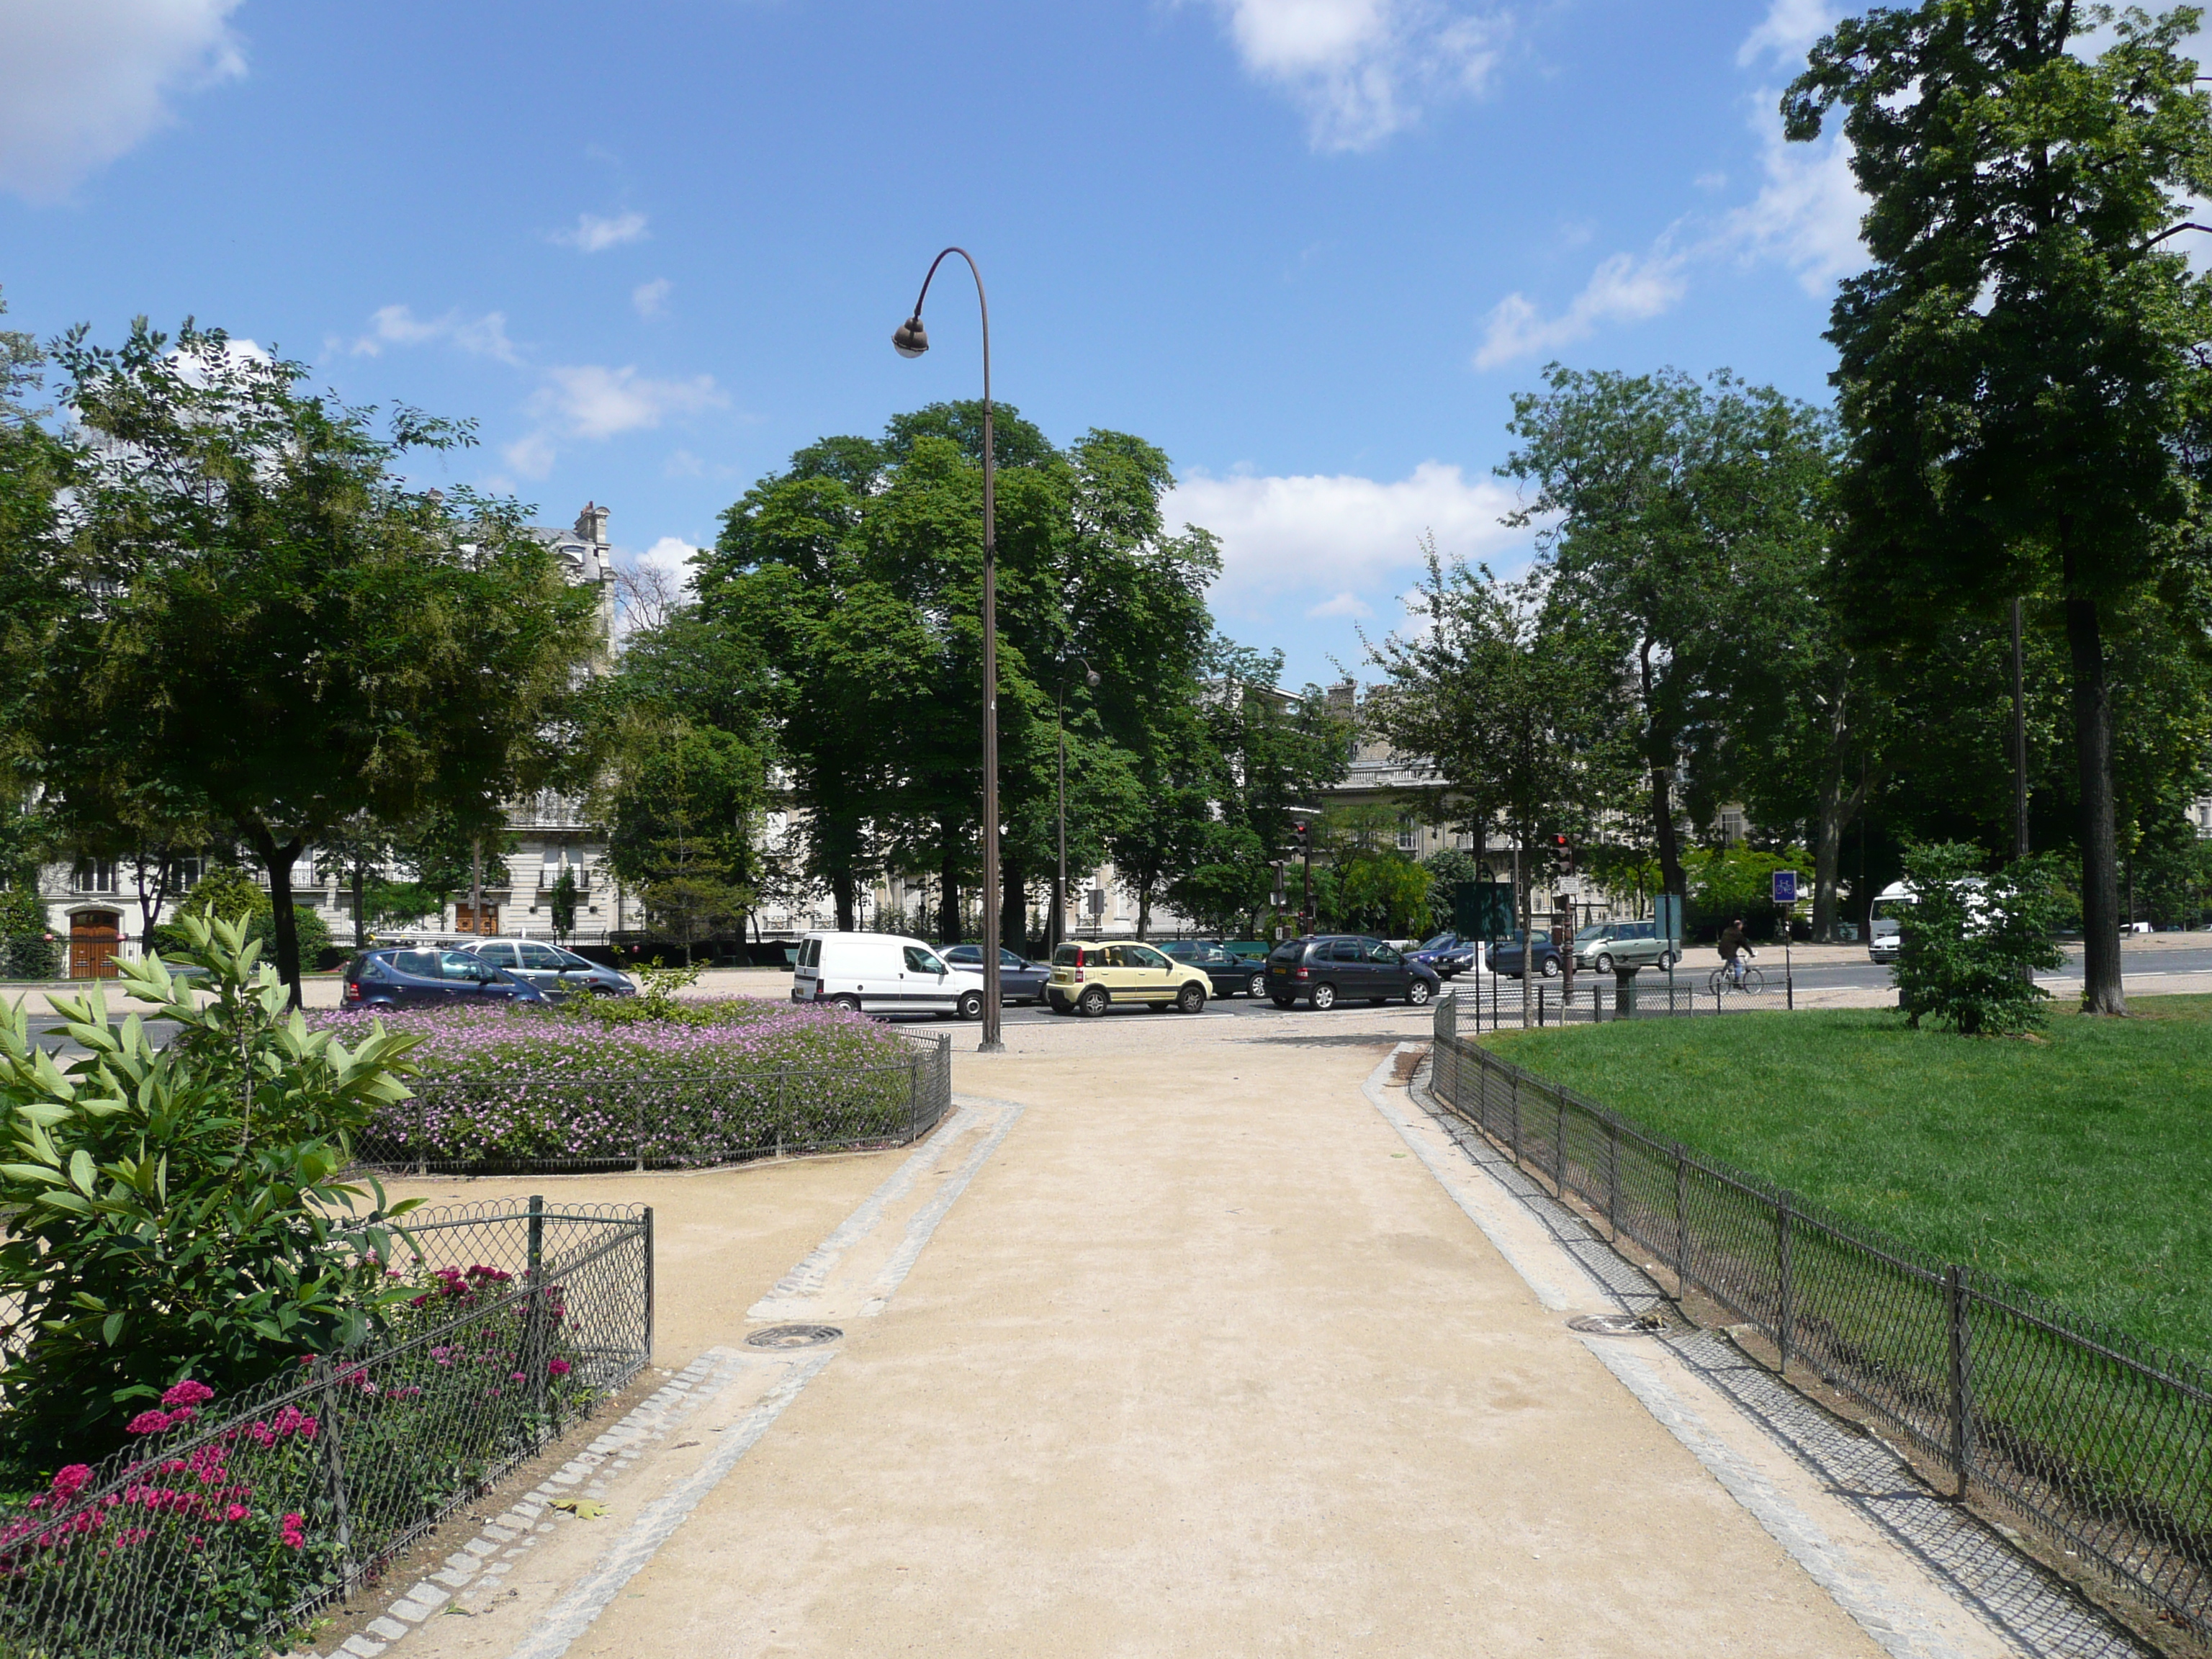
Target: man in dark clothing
point(1735, 949)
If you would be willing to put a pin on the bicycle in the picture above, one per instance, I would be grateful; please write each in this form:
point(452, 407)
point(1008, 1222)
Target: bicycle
point(1751, 984)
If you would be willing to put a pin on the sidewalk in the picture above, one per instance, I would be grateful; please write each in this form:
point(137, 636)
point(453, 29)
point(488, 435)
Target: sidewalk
point(1204, 1361)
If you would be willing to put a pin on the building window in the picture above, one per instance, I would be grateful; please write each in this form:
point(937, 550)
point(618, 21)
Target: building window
point(95, 876)
point(1409, 835)
point(1732, 825)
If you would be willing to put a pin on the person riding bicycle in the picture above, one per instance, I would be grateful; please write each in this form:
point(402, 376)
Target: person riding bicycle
point(1735, 949)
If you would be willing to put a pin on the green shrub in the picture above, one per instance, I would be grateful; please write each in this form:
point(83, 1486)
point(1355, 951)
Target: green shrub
point(173, 1212)
point(1967, 944)
point(230, 895)
point(27, 951)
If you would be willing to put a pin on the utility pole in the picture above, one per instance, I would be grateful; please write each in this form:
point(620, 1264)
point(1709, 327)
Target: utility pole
point(2019, 741)
point(475, 883)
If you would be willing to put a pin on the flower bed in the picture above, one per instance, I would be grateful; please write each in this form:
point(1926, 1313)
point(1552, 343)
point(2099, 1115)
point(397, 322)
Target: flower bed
point(722, 1081)
point(227, 1521)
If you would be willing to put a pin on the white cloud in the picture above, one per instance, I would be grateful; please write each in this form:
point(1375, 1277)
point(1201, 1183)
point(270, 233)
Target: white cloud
point(1623, 290)
point(1360, 69)
point(1787, 31)
point(1331, 538)
point(671, 553)
point(484, 337)
point(1807, 214)
point(651, 298)
point(531, 455)
point(594, 234)
point(1344, 605)
point(83, 81)
point(596, 402)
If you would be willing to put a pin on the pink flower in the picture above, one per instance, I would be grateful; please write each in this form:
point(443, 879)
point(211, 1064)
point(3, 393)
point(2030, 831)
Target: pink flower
point(559, 1367)
point(147, 1422)
point(296, 1536)
point(188, 1392)
point(236, 1512)
point(68, 1482)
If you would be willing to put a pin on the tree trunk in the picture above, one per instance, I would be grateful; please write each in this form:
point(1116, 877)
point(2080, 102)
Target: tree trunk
point(1671, 879)
point(1013, 908)
point(1837, 809)
point(948, 888)
point(841, 893)
point(2101, 989)
point(360, 921)
point(1144, 910)
point(278, 860)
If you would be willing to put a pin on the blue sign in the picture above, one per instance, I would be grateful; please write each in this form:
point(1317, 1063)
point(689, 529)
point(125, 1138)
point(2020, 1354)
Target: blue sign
point(1785, 887)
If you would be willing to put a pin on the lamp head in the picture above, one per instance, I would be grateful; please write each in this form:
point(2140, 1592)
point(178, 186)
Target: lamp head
point(912, 339)
point(1091, 677)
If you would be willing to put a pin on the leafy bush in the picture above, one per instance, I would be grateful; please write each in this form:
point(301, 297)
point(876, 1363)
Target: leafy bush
point(1968, 944)
point(228, 894)
point(171, 1211)
point(27, 951)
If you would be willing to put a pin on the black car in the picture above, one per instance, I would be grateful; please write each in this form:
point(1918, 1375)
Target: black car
point(1020, 980)
point(1232, 975)
point(1509, 954)
point(401, 977)
point(1448, 954)
point(1333, 968)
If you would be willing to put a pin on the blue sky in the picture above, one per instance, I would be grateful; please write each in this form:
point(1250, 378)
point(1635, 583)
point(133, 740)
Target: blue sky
point(1310, 248)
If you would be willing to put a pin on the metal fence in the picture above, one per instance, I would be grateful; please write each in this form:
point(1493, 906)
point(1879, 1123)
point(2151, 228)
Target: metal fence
point(2094, 1438)
point(1498, 1002)
point(469, 1126)
point(228, 1525)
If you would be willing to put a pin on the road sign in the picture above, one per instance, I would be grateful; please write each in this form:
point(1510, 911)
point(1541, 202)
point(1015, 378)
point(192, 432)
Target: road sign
point(1669, 906)
point(1785, 887)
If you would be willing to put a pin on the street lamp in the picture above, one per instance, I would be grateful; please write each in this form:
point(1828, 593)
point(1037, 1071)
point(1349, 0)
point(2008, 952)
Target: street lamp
point(911, 340)
point(1059, 719)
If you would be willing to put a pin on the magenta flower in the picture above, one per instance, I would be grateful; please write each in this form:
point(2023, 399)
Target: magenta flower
point(188, 1392)
point(148, 1423)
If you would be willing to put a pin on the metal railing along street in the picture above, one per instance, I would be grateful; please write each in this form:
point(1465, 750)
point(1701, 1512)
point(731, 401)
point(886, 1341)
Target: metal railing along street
point(2098, 1441)
point(217, 1534)
point(462, 1126)
point(1497, 1001)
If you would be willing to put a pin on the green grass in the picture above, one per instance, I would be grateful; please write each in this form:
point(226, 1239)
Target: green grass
point(2078, 1166)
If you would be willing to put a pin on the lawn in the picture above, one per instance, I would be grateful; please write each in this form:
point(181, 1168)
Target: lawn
point(2078, 1165)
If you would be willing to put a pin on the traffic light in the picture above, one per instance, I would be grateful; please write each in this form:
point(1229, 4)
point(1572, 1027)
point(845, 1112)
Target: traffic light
point(1564, 849)
point(1280, 897)
point(1300, 836)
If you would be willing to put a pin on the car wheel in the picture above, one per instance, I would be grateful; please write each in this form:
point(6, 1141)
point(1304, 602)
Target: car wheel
point(850, 1004)
point(1551, 967)
point(1324, 996)
point(1604, 963)
point(1666, 961)
point(970, 1005)
point(1191, 999)
point(1092, 1002)
point(1258, 988)
point(1284, 1003)
point(1418, 993)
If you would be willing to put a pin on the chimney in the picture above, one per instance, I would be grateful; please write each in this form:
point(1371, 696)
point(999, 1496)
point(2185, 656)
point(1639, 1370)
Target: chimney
point(592, 524)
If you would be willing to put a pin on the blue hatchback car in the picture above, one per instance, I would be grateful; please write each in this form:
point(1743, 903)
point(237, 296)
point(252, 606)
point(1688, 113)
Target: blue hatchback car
point(400, 977)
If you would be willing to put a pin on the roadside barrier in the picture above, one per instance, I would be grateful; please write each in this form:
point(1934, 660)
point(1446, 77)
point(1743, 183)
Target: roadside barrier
point(2098, 1442)
point(1590, 998)
point(232, 1520)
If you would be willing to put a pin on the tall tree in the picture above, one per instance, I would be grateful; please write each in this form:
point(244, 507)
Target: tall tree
point(2021, 361)
point(248, 606)
point(1652, 495)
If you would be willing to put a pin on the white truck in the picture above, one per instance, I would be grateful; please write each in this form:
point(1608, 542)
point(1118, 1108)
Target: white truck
point(885, 974)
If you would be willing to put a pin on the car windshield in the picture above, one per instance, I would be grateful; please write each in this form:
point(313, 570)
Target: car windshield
point(1595, 930)
point(1441, 942)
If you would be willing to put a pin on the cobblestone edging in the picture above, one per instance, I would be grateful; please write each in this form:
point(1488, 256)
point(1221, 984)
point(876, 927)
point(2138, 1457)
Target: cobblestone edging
point(475, 1573)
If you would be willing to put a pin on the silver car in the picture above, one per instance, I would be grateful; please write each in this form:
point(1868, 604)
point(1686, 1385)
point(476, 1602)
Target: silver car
point(557, 972)
point(1605, 946)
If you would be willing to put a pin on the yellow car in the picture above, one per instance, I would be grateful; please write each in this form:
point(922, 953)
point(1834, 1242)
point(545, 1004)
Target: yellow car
point(1086, 977)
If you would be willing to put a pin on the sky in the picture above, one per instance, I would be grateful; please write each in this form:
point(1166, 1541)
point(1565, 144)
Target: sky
point(1311, 248)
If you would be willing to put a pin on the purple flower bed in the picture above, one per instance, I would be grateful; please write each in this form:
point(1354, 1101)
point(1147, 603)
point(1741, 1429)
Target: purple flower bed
point(729, 1079)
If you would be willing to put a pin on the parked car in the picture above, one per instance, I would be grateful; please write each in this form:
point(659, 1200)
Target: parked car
point(1448, 954)
point(1088, 976)
point(1606, 946)
point(1331, 968)
point(1253, 951)
point(883, 973)
point(1229, 975)
point(557, 972)
point(1020, 980)
point(1508, 954)
point(400, 977)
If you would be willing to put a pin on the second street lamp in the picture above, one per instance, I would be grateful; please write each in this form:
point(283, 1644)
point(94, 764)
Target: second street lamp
point(911, 340)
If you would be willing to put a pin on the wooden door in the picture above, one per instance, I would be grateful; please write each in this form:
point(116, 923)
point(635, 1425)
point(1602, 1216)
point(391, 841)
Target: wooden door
point(466, 919)
point(95, 936)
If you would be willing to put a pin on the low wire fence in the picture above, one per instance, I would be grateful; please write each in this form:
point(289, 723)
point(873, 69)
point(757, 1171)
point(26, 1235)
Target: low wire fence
point(2096, 1439)
point(464, 1126)
point(1497, 1002)
point(230, 1521)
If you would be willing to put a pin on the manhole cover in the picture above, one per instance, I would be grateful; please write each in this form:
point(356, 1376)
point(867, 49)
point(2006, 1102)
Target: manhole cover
point(1620, 1324)
point(794, 1336)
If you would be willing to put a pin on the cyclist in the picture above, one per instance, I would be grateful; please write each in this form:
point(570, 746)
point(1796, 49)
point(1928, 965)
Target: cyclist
point(1735, 949)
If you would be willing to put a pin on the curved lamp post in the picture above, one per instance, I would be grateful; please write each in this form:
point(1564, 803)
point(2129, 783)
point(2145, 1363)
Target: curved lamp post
point(911, 340)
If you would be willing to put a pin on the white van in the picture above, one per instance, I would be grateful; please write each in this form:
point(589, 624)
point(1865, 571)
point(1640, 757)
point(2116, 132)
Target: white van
point(883, 973)
point(1882, 923)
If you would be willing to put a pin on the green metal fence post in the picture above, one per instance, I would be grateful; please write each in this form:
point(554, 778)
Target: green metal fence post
point(1961, 1375)
point(1785, 1316)
point(1682, 1222)
point(648, 1283)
